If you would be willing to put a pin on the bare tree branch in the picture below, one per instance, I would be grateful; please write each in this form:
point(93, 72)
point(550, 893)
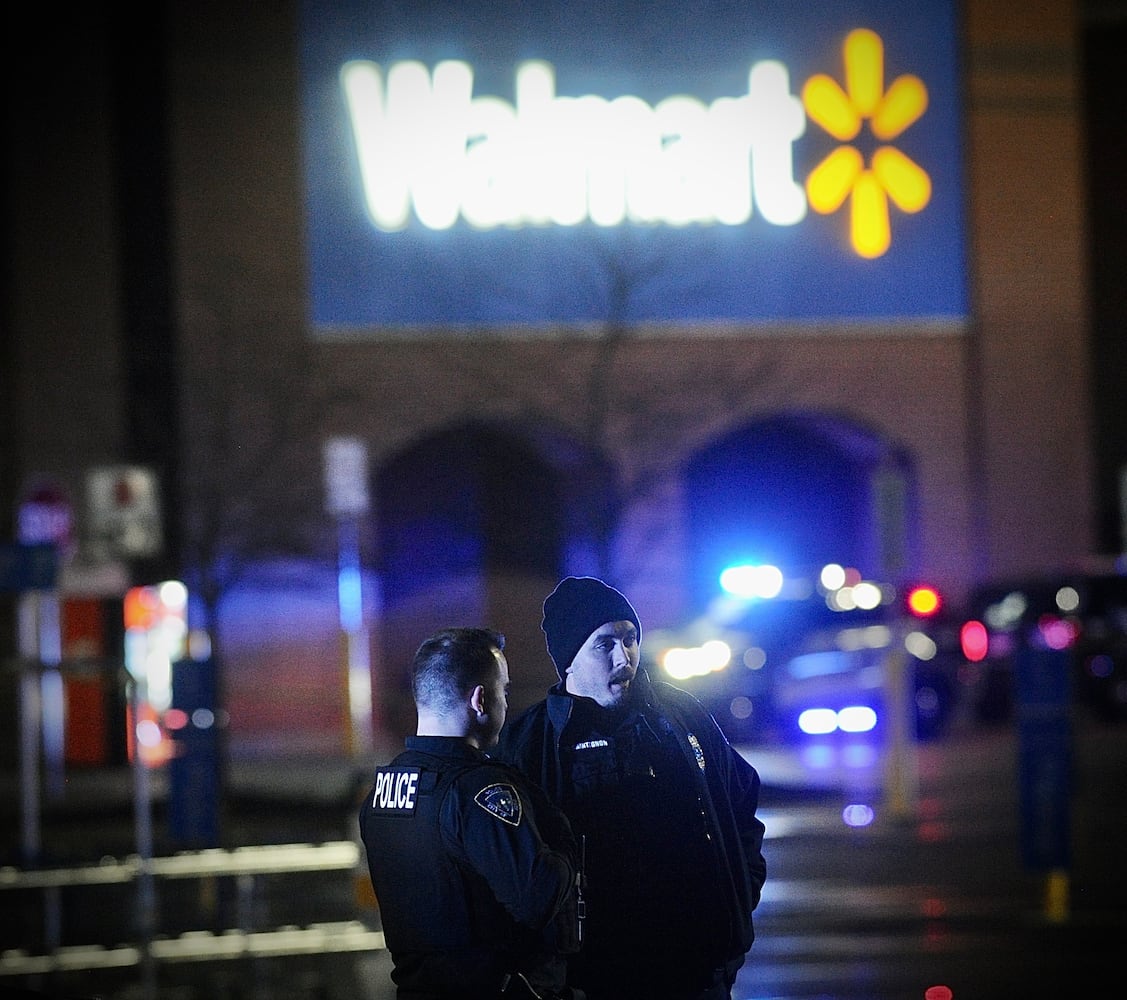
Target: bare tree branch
point(612, 414)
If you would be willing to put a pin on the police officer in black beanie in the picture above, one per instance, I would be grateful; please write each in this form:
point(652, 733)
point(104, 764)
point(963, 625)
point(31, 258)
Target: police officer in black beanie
point(663, 807)
point(474, 869)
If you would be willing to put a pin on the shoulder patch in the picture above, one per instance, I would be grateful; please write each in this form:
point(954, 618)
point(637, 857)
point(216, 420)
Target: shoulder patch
point(502, 801)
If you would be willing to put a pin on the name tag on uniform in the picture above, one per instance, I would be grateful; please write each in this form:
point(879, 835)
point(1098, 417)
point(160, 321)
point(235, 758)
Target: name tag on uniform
point(396, 790)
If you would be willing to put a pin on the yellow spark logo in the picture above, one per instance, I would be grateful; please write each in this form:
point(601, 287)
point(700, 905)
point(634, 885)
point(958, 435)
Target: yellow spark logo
point(843, 174)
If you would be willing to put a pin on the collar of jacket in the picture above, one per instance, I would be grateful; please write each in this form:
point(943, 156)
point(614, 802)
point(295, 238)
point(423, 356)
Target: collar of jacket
point(445, 746)
point(561, 704)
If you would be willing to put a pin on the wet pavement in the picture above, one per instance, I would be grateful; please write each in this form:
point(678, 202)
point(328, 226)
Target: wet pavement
point(880, 887)
point(938, 896)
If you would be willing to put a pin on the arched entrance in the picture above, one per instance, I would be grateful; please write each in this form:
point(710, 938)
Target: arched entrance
point(469, 532)
point(799, 490)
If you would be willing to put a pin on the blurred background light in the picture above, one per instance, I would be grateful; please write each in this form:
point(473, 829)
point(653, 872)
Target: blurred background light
point(974, 641)
point(856, 719)
point(832, 577)
point(752, 581)
point(924, 601)
point(817, 721)
point(682, 662)
point(857, 814)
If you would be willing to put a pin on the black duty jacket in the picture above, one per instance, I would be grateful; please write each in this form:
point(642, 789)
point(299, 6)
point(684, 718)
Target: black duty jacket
point(473, 868)
point(662, 805)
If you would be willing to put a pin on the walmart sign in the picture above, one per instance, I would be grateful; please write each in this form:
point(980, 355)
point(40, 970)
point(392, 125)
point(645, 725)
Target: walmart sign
point(534, 163)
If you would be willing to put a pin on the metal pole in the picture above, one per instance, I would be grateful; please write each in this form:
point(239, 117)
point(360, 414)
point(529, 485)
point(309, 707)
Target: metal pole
point(30, 833)
point(52, 705)
point(143, 833)
point(40, 643)
point(901, 770)
point(31, 723)
point(357, 660)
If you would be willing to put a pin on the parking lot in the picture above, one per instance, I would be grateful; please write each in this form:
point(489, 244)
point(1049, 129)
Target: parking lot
point(863, 902)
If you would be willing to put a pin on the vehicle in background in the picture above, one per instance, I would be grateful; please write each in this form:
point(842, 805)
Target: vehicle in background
point(1085, 614)
point(852, 681)
point(795, 656)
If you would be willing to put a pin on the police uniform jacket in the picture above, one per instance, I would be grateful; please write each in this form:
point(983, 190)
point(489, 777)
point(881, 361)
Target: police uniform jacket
point(665, 811)
point(473, 868)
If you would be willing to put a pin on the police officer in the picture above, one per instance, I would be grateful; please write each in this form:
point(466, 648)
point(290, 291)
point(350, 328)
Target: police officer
point(664, 806)
point(474, 869)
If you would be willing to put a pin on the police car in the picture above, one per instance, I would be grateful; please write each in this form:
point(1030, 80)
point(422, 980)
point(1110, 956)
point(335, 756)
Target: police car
point(794, 657)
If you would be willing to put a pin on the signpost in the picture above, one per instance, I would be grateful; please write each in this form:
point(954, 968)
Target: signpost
point(193, 770)
point(1044, 701)
point(346, 492)
point(901, 768)
point(32, 570)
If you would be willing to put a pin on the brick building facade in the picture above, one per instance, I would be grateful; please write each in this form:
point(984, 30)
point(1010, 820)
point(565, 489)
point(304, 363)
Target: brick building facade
point(220, 387)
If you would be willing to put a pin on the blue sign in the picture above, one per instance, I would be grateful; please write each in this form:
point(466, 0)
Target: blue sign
point(193, 771)
point(28, 567)
point(1044, 713)
point(528, 162)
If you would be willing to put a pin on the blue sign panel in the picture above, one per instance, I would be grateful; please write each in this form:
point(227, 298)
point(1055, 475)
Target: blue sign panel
point(28, 567)
point(193, 771)
point(1044, 715)
point(529, 162)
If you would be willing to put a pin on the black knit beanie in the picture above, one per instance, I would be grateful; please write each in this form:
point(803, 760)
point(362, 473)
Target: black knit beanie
point(578, 606)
